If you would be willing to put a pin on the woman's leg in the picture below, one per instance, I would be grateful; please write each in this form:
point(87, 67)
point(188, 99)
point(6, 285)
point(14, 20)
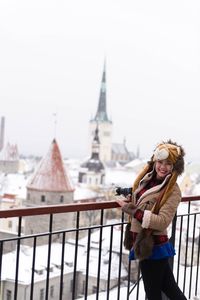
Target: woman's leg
point(153, 272)
point(158, 277)
point(170, 287)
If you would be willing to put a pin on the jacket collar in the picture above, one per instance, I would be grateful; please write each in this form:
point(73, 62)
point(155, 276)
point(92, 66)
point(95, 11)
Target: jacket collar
point(152, 190)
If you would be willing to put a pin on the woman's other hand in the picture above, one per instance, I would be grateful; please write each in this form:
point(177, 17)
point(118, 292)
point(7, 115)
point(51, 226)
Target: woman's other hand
point(128, 208)
point(121, 203)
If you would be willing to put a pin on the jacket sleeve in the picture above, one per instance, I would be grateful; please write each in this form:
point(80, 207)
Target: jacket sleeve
point(166, 213)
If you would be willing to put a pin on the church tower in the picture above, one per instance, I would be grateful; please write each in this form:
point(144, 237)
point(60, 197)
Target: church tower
point(104, 124)
point(92, 172)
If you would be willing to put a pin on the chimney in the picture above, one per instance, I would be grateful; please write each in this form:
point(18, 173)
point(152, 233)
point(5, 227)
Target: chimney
point(2, 133)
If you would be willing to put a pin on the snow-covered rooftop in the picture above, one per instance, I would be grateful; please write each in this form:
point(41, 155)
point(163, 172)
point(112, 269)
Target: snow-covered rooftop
point(26, 257)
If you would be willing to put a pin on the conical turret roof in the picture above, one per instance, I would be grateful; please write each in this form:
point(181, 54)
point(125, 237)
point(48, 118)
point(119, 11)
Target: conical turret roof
point(51, 175)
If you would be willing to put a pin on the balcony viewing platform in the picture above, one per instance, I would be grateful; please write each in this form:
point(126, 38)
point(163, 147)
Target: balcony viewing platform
point(88, 260)
point(98, 127)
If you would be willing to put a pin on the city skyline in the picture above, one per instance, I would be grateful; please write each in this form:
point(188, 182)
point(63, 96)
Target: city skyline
point(51, 72)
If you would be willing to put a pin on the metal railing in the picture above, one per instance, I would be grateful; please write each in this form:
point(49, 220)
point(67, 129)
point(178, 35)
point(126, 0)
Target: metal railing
point(89, 259)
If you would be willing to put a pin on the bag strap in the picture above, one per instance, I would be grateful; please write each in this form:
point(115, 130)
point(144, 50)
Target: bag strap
point(129, 219)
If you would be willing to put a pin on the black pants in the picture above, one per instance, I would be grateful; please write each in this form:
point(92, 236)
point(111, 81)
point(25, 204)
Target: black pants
point(158, 277)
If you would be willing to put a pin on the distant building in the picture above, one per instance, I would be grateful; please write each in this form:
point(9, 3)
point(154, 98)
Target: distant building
point(92, 172)
point(40, 268)
point(186, 184)
point(40, 274)
point(121, 154)
point(109, 152)
point(9, 201)
point(9, 155)
point(9, 226)
point(50, 185)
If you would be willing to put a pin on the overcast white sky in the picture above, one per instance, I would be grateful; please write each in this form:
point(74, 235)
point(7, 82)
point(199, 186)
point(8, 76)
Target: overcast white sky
point(51, 60)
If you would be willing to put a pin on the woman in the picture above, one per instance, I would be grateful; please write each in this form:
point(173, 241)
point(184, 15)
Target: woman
point(154, 201)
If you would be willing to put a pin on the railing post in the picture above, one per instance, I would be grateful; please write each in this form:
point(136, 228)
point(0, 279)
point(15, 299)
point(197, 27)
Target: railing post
point(17, 258)
point(49, 256)
point(172, 240)
point(100, 254)
point(74, 284)
point(1, 256)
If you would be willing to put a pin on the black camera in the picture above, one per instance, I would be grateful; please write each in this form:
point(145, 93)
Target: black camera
point(123, 191)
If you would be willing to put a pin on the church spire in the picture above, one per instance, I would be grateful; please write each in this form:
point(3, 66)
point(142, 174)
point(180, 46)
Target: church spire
point(94, 164)
point(104, 124)
point(96, 145)
point(101, 114)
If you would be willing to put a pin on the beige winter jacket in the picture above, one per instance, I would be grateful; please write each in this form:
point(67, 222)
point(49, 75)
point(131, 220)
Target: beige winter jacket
point(158, 222)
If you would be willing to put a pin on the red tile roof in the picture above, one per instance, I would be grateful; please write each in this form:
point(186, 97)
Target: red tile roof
point(51, 175)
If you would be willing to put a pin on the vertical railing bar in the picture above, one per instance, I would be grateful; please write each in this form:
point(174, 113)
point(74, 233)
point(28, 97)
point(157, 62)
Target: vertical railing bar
point(186, 248)
point(138, 282)
point(109, 264)
point(120, 257)
point(179, 249)
point(33, 269)
point(198, 260)
point(75, 255)
point(87, 263)
point(99, 259)
point(192, 255)
point(17, 258)
point(62, 266)
point(129, 277)
point(1, 257)
point(173, 238)
point(49, 255)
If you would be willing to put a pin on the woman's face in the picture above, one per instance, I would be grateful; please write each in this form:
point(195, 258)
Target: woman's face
point(163, 168)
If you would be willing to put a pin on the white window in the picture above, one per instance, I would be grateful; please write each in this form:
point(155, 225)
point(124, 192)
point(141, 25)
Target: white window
point(52, 291)
point(42, 294)
point(8, 295)
point(106, 133)
point(43, 198)
point(10, 224)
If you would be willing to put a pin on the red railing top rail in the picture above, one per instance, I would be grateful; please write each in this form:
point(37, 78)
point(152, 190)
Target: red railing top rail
point(73, 207)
